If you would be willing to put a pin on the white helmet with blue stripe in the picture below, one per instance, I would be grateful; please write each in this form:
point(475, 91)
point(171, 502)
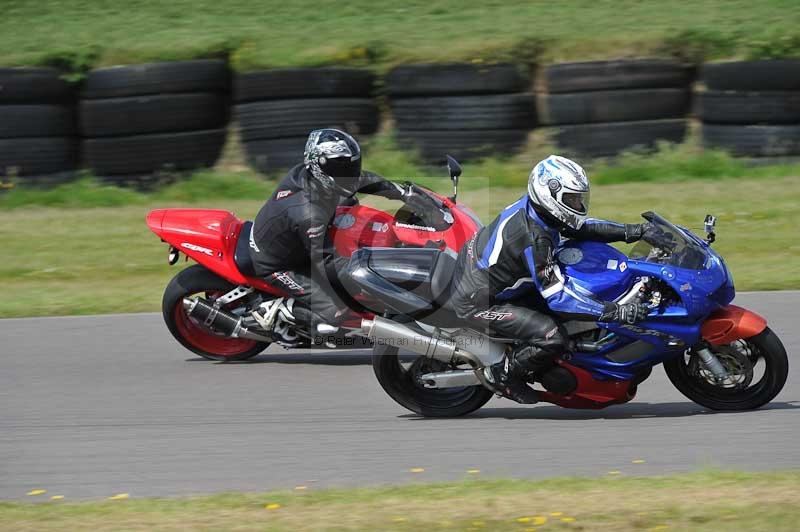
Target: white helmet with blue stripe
point(559, 188)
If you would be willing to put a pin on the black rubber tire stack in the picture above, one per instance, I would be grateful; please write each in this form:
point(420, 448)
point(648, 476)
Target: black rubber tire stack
point(141, 119)
point(600, 108)
point(38, 144)
point(465, 110)
point(277, 109)
point(751, 108)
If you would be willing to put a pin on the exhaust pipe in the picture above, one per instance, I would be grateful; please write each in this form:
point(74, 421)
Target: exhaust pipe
point(220, 320)
point(393, 333)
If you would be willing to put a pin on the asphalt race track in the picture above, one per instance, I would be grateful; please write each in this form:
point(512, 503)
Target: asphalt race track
point(96, 406)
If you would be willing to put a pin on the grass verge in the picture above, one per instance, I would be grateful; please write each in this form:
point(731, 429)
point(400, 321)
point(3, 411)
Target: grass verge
point(59, 261)
point(232, 180)
point(704, 501)
point(81, 34)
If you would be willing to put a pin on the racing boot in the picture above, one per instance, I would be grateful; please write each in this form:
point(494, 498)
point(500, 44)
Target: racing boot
point(506, 378)
point(534, 361)
point(277, 317)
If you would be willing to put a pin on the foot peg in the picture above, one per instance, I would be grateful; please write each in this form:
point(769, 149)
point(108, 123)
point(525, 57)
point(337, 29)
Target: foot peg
point(277, 317)
point(274, 310)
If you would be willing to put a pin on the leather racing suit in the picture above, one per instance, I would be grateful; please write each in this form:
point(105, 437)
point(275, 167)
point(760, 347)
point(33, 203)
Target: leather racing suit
point(513, 257)
point(288, 241)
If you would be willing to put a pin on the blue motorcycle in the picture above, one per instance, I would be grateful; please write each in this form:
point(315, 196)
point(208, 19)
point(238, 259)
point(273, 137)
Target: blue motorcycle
point(717, 354)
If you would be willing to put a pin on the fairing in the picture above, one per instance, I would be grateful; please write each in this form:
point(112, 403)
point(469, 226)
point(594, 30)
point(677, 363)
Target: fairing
point(360, 226)
point(732, 323)
point(591, 393)
point(597, 267)
point(704, 290)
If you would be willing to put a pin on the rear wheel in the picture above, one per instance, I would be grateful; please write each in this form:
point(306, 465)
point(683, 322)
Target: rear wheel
point(757, 366)
point(197, 281)
point(399, 380)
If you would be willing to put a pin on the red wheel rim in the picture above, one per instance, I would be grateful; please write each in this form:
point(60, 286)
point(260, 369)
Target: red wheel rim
point(203, 339)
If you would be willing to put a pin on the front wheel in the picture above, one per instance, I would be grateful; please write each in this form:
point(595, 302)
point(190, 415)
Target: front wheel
point(400, 381)
point(757, 369)
point(193, 335)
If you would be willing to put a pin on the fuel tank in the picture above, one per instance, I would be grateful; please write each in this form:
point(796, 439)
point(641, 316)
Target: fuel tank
point(597, 267)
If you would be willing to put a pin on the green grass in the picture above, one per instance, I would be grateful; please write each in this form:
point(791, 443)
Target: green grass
point(84, 33)
point(233, 180)
point(704, 501)
point(57, 261)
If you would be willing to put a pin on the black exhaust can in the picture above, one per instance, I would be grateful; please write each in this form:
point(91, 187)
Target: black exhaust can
point(212, 317)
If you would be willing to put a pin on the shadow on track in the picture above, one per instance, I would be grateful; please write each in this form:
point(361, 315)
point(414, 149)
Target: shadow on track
point(626, 411)
point(322, 358)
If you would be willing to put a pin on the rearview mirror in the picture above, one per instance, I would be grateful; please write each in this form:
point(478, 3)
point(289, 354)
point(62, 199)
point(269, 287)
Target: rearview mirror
point(455, 171)
point(710, 224)
point(454, 168)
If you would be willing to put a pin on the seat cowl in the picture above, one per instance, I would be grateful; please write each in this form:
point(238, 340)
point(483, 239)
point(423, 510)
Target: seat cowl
point(241, 255)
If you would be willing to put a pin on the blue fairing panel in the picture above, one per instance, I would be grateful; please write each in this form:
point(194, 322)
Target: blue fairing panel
point(598, 268)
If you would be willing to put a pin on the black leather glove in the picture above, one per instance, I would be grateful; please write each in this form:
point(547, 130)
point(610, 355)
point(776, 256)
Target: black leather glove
point(423, 207)
point(419, 203)
point(650, 233)
point(629, 313)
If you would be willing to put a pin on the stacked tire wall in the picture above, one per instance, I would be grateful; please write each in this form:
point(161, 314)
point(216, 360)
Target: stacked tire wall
point(128, 124)
point(276, 109)
point(38, 143)
point(465, 110)
point(601, 108)
point(751, 108)
point(139, 120)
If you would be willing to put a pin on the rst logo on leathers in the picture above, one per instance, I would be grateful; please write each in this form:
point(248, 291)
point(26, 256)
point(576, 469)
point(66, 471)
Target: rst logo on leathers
point(492, 315)
point(282, 194)
point(287, 281)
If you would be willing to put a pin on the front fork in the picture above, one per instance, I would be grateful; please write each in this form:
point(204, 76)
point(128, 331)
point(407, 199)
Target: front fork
point(712, 363)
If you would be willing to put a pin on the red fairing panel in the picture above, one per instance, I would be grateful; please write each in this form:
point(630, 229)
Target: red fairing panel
point(731, 323)
point(361, 226)
point(590, 393)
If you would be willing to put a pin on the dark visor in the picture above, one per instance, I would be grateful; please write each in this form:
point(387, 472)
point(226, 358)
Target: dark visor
point(575, 201)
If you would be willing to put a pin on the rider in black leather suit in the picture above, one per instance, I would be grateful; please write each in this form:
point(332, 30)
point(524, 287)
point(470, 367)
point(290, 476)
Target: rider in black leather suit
point(288, 244)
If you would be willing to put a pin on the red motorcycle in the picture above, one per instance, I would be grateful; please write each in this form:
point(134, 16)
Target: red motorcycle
point(208, 307)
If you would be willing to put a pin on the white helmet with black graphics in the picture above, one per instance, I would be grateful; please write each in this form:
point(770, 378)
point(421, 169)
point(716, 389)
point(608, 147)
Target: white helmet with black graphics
point(558, 188)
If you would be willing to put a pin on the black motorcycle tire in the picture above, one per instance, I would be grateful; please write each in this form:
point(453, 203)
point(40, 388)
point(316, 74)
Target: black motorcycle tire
point(193, 280)
point(754, 397)
point(426, 402)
